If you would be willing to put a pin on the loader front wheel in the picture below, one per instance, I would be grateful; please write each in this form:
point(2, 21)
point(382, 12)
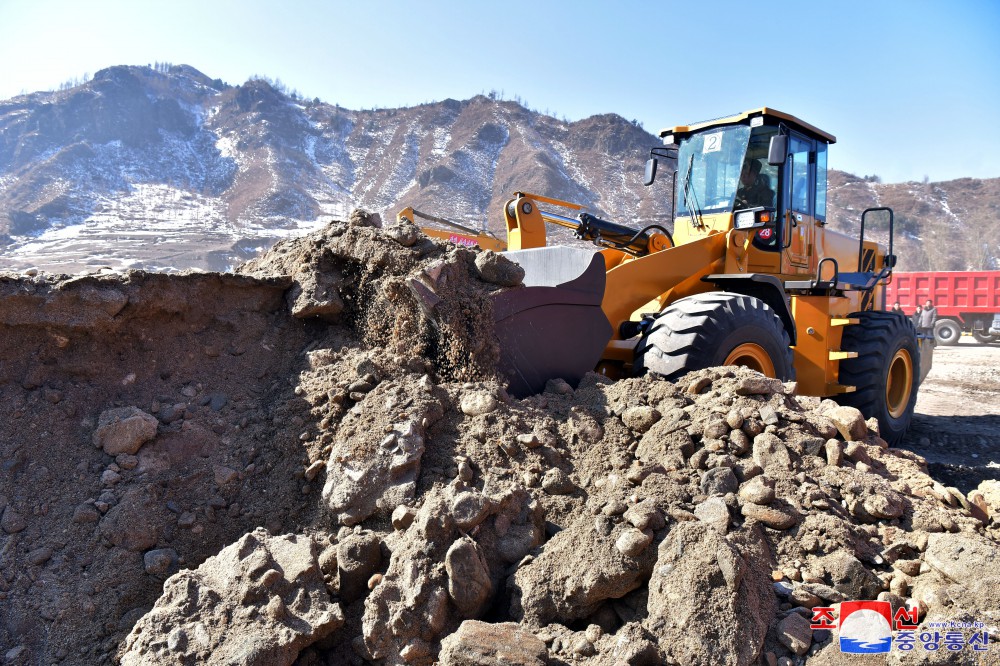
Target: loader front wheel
point(885, 373)
point(717, 328)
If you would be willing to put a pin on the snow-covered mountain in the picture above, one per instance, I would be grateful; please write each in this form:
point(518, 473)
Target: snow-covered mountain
point(164, 168)
point(170, 169)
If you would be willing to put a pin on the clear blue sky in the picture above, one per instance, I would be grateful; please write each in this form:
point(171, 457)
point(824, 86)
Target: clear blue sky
point(911, 88)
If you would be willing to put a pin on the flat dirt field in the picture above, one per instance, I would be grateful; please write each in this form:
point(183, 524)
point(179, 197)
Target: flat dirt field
point(956, 426)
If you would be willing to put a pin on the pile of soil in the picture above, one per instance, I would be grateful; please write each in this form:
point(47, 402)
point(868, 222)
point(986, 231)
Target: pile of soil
point(314, 462)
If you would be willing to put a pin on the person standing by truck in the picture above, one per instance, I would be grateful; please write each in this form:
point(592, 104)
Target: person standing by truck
point(928, 316)
point(916, 318)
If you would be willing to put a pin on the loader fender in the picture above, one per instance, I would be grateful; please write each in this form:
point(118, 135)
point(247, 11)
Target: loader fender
point(761, 286)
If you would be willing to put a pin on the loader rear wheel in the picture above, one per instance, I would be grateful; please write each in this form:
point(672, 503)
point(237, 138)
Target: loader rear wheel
point(885, 373)
point(947, 332)
point(717, 328)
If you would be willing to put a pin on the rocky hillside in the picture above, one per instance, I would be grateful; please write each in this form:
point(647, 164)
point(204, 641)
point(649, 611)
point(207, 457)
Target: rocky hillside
point(168, 169)
point(161, 170)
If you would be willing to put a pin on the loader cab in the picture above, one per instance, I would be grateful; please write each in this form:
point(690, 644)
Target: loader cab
point(727, 171)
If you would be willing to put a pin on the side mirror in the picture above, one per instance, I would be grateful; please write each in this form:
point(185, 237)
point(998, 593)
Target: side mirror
point(777, 152)
point(650, 171)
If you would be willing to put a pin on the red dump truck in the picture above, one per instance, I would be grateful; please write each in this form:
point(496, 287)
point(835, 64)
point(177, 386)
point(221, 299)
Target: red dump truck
point(966, 301)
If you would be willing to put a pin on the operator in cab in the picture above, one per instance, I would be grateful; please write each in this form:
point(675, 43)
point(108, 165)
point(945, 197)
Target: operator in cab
point(755, 188)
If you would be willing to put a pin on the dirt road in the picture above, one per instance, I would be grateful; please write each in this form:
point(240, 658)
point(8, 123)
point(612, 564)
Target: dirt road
point(957, 421)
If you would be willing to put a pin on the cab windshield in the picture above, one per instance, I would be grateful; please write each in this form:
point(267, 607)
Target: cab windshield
point(709, 166)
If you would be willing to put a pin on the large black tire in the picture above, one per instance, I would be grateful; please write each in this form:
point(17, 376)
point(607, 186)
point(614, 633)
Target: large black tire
point(947, 332)
point(885, 373)
point(984, 338)
point(713, 329)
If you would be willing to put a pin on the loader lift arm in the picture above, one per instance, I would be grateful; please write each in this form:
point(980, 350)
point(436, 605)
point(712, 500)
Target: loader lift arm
point(526, 221)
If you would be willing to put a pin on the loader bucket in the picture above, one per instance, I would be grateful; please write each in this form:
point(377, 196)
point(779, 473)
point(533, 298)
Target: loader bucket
point(554, 327)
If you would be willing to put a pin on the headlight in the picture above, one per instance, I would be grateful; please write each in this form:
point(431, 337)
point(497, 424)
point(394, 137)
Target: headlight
point(745, 220)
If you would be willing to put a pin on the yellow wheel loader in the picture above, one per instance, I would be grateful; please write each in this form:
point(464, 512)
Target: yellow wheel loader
point(750, 276)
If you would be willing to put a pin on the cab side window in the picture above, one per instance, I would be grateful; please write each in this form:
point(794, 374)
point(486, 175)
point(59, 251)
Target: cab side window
point(821, 181)
point(800, 175)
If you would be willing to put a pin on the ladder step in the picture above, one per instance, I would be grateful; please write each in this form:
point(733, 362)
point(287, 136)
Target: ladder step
point(841, 355)
point(839, 321)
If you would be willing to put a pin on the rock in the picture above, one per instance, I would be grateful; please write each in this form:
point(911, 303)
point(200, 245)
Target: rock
point(740, 442)
point(40, 556)
point(110, 477)
point(768, 415)
point(478, 402)
point(962, 558)
point(698, 385)
point(574, 574)
point(12, 522)
point(849, 422)
point(86, 513)
point(770, 516)
point(19, 654)
point(795, 634)
point(469, 584)
point(375, 471)
point(558, 386)
point(363, 218)
point(758, 490)
point(498, 269)
point(883, 506)
point(405, 233)
point(640, 419)
point(313, 470)
point(484, 644)
point(699, 593)
point(645, 515)
point(856, 452)
point(989, 490)
point(719, 481)
point(126, 461)
point(834, 452)
point(824, 592)
point(557, 482)
point(225, 475)
point(217, 401)
point(632, 542)
point(635, 646)
point(135, 522)
point(772, 455)
point(715, 513)
point(468, 509)
point(358, 557)
point(758, 385)
point(402, 517)
point(529, 441)
point(160, 561)
point(850, 577)
point(124, 430)
point(804, 598)
point(413, 599)
point(223, 613)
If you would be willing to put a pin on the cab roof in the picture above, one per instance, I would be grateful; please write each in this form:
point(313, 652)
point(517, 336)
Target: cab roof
point(764, 112)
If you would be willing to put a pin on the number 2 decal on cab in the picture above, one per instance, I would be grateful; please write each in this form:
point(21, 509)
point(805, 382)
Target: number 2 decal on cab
point(713, 143)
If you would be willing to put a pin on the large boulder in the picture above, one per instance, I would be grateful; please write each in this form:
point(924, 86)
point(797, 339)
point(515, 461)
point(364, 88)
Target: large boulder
point(710, 601)
point(259, 601)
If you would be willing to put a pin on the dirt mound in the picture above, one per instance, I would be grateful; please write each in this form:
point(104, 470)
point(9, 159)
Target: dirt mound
point(313, 462)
